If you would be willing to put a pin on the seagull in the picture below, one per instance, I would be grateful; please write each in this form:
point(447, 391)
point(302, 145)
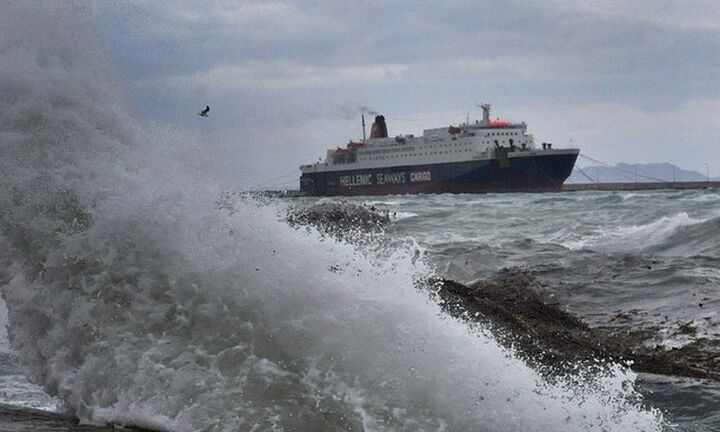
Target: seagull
point(204, 113)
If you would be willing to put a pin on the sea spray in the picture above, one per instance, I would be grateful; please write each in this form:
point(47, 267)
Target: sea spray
point(135, 299)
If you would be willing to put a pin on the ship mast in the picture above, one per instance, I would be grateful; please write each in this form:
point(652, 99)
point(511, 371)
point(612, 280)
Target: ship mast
point(486, 112)
point(363, 125)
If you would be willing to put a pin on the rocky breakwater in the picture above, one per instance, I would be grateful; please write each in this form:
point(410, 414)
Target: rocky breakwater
point(511, 304)
point(555, 341)
point(339, 218)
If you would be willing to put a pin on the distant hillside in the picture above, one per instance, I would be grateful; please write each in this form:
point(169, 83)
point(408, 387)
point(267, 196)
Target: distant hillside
point(623, 172)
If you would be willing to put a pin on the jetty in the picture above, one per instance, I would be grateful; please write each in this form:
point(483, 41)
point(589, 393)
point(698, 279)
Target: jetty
point(637, 186)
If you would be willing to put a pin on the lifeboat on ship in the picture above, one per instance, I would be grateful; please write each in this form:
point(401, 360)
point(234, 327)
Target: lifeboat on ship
point(498, 123)
point(352, 145)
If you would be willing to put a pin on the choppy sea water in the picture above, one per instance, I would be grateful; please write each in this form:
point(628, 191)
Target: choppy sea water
point(131, 296)
point(652, 256)
point(657, 252)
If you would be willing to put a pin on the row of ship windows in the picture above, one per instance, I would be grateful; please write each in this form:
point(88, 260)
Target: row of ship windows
point(390, 150)
point(364, 153)
point(449, 145)
point(414, 154)
point(501, 133)
point(501, 142)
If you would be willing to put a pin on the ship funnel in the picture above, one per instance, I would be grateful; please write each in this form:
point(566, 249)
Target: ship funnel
point(379, 128)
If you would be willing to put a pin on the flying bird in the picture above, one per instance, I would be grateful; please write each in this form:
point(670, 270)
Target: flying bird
point(204, 113)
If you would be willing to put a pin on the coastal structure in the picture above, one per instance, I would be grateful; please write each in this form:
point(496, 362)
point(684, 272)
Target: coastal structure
point(488, 155)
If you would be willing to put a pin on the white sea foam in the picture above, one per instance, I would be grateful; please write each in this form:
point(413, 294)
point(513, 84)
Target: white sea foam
point(15, 389)
point(705, 197)
point(134, 299)
point(403, 215)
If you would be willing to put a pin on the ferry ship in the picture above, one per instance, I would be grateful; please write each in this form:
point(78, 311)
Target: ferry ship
point(488, 155)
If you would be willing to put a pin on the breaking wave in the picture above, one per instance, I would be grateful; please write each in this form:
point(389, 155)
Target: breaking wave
point(135, 299)
point(692, 240)
point(623, 237)
point(677, 234)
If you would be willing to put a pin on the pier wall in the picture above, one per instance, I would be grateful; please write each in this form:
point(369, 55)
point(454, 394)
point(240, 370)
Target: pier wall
point(572, 187)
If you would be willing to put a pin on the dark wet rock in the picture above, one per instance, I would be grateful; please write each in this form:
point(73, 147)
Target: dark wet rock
point(512, 307)
point(698, 359)
point(17, 419)
point(339, 217)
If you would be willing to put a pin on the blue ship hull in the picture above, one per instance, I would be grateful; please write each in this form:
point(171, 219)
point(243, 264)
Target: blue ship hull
point(522, 173)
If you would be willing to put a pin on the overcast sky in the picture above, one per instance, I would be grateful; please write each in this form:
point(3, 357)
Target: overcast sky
point(632, 81)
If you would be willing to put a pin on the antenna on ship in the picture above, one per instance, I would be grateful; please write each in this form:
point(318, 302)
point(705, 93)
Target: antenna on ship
point(363, 125)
